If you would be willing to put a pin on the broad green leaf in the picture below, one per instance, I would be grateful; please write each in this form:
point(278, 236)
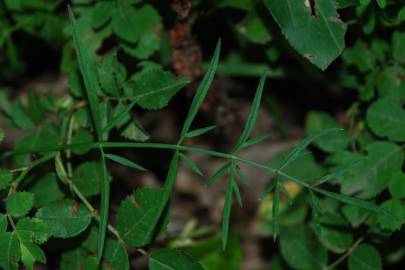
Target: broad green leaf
point(371, 176)
point(226, 214)
point(355, 215)
point(360, 55)
point(314, 30)
point(398, 43)
point(296, 152)
point(89, 74)
point(84, 138)
point(191, 164)
point(254, 111)
point(137, 214)
point(301, 250)
point(338, 173)
point(135, 132)
point(396, 208)
point(101, 13)
point(334, 233)
point(111, 75)
point(365, 257)
point(88, 178)
point(73, 259)
point(33, 230)
point(389, 82)
point(147, 44)
point(20, 116)
point(115, 255)
point(200, 131)
point(10, 253)
point(6, 177)
point(167, 258)
point(201, 93)
point(30, 253)
point(386, 118)
point(46, 190)
point(254, 29)
point(396, 185)
point(65, 219)
point(19, 203)
point(318, 121)
point(153, 88)
point(125, 162)
point(3, 223)
point(211, 256)
point(40, 140)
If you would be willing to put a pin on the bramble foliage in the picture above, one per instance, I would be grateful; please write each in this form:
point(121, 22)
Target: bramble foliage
point(354, 197)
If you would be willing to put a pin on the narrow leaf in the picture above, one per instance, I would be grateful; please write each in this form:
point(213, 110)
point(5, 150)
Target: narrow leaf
point(241, 174)
point(276, 201)
point(304, 143)
point(89, 75)
point(191, 164)
point(218, 174)
point(125, 162)
point(200, 131)
point(338, 173)
point(254, 141)
point(226, 214)
point(235, 189)
point(252, 115)
point(117, 119)
point(104, 208)
point(268, 189)
point(201, 93)
point(286, 194)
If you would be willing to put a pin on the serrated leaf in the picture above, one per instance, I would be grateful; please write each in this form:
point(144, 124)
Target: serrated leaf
point(200, 131)
point(125, 162)
point(386, 118)
point(226, 214)
point(136, 217)
point(396, 185)
point(314, 30)
point(32, 230)
point(6, 177)
point(296, 152)
point(153, 88)
point(65, 219)
point(371, 176)
point(191, 164)
point(201, 93)
point(254, 111)
point(89, 75)
point(111, 75)
point(19, 203)
point(311, 254)
point(115, 255)
point(30, 253)
point(365, 257)
point(396, 208)
point(167, 258)
point(9, 251)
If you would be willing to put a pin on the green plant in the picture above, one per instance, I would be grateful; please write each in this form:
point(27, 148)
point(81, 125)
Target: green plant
point(49, 192)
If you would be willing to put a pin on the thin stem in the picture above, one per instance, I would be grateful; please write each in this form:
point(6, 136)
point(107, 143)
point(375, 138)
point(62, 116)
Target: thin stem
point(344, 256)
